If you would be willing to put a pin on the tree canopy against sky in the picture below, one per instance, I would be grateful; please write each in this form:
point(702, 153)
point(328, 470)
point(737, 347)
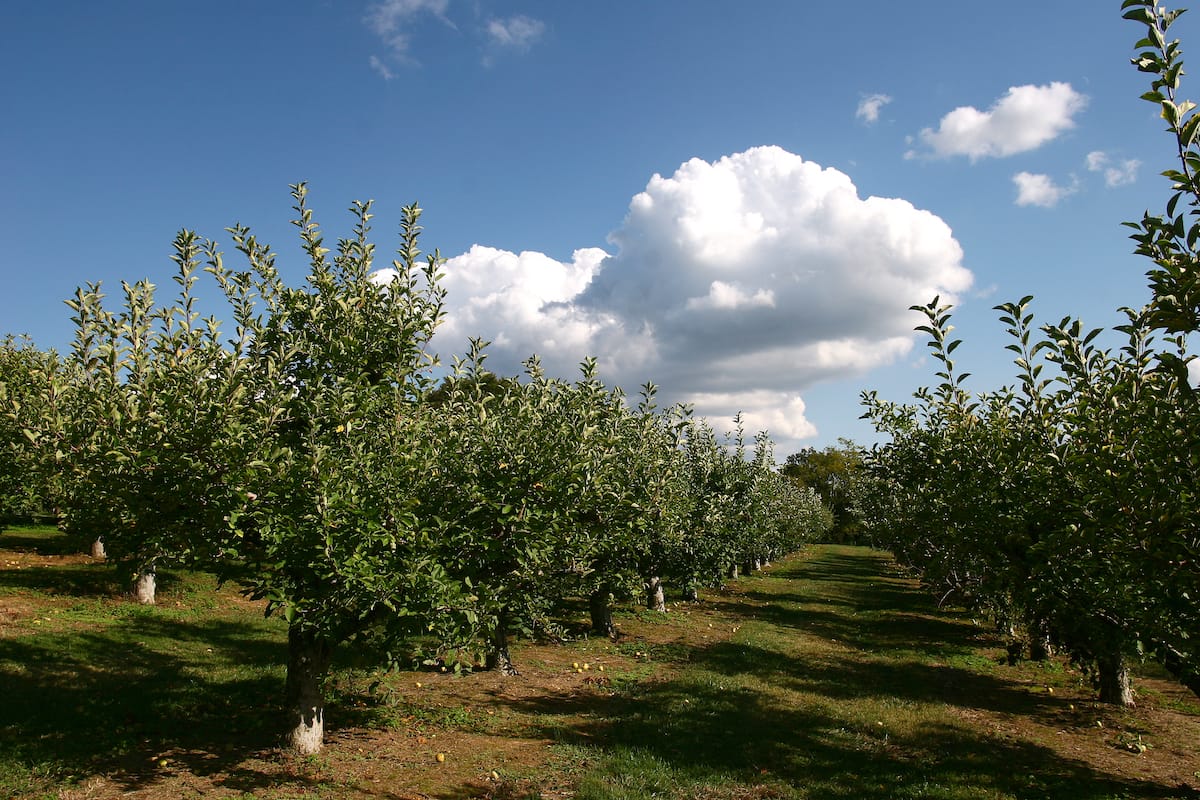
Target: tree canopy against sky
point(722, 203)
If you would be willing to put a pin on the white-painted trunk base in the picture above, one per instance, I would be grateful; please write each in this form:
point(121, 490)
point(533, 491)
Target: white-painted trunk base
point(143, 588)
point(306, 738)
point(655, 599)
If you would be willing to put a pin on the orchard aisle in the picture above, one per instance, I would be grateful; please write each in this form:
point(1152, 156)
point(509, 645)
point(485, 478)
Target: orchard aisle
point(828, 675)
point(844, 680)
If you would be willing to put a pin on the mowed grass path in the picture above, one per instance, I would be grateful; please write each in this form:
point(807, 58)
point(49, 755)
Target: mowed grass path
point(844, 681)
point(829, 675)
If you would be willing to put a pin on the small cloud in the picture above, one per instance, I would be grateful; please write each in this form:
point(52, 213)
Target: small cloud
point(515, 33)
point(382, 68)
point(1114, 175)
point(390, 20)
point(1039, 190)
point(387, 17)
point(869, 106)
point(1124, 174)
point(1025, 118)
point(383, 277)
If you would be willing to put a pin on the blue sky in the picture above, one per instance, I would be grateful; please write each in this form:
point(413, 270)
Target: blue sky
point(682, 188)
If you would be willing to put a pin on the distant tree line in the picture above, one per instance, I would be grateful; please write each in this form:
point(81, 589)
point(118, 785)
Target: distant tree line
point(833, 473)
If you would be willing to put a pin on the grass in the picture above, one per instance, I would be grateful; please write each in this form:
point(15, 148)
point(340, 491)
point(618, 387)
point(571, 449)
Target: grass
point(95, 682)
point(841, 682)
point(829, 676)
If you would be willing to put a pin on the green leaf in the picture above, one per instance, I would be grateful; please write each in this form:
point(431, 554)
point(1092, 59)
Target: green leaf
point(1141, 14)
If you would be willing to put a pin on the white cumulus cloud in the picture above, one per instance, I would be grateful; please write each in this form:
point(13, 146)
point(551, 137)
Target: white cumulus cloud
point(1039, 190)
point(1025, 118)
point(521, 303)
point(781, 413)
point(729, 296)
point(1119, 174)
point(870, 106)
point(734, 284)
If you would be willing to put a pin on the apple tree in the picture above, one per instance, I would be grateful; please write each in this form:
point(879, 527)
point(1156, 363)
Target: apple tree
point(331, 528)
point(153, 442)
point(30, 399)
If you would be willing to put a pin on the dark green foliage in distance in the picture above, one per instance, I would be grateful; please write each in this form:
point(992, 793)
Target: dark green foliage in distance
point(29, 402)
point(831, 472)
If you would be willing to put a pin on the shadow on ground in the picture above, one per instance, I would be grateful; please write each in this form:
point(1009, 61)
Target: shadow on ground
point(87, 703)
point(114, 688)
point(80, 576)
point(42, 540)
point(767, 716)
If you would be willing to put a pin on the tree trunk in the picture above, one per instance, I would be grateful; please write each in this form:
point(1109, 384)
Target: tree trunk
point(143, 587)
point(498, 658)
point(758, 564)
point(97, 550)
point(1114, 680)
point(655, 600)
point(748, 566)
point(732, 572)
point(1016, 651)
point(308, 661)
point(1041, 645)
point(690, 592)
point(1178, 667)
point(1040, 648)
point(600, 606)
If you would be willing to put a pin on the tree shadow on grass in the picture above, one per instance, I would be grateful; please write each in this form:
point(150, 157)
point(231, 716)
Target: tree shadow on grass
point(864, 580)
point(853, 678)
point(42, 540)
point(114, 701)
point(96, 579)
point(78, 576)
point(206, 695)
point(705, 733)
point(937, 637)
point(847, 598)
point(788, 715)
point(911, 627)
